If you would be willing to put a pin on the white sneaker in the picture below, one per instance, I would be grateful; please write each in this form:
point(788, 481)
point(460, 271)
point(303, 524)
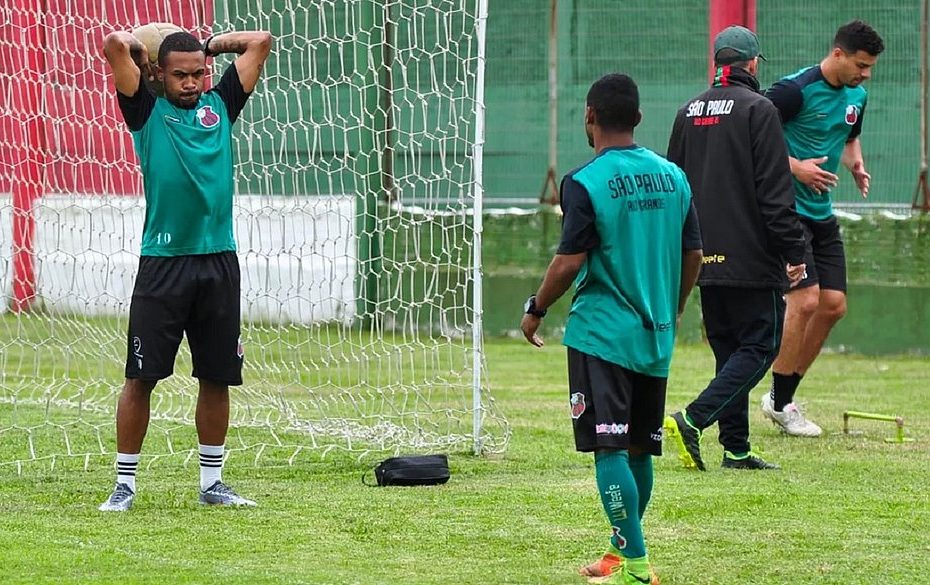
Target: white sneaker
point(791, 420)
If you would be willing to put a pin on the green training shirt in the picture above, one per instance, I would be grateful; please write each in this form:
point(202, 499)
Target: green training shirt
point(187, 167)
point(633, 204)
point(818, 120)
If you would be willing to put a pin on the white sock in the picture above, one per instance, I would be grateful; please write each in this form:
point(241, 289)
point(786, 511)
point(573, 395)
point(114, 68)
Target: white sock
point(126, 464)
point(211, 465)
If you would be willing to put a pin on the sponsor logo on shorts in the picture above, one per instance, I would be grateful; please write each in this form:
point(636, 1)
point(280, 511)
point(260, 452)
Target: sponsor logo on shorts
point(137, 351)
point(577, 403)
point(657, 436)
point(611, 429)
point(240, 349)
point(621, 542)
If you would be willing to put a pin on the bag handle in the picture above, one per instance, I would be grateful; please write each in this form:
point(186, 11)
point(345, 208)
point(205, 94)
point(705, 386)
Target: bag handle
point(364, 475)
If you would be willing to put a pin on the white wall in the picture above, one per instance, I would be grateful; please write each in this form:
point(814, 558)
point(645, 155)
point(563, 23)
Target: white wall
point(297, 254)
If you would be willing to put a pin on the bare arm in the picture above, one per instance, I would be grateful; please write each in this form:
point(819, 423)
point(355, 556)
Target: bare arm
point(125, 54)
point(852, 154)
point(559, 277)
point(253, 49)
point(691, 261)
point(852, 160)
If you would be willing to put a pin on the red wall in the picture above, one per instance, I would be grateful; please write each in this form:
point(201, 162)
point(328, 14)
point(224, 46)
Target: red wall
point(51, 65)
point(724, 13)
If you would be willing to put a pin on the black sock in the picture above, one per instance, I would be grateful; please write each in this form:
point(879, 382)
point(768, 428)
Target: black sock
point(783, 388)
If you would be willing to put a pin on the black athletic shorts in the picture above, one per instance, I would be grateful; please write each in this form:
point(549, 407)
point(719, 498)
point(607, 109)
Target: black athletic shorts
point(824, 254)
point(196, 295)
point(613, 407)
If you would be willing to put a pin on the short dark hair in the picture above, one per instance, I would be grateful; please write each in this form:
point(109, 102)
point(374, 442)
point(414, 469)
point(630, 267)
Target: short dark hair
point(181, 42)
point(615, 101)
point(858, 36)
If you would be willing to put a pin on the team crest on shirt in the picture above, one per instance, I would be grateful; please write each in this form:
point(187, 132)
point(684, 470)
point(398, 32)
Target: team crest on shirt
point(208, 118)
point(577, 402)
point(852, 114)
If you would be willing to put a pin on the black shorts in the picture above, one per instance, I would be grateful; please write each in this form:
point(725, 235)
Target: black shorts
point(824, 254)
point(613, 407)
point(196, 295)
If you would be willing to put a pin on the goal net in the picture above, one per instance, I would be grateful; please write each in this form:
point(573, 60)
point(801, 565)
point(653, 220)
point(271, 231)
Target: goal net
point(357, 218)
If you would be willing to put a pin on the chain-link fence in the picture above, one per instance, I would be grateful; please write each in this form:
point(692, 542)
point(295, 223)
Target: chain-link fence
point(663, 45)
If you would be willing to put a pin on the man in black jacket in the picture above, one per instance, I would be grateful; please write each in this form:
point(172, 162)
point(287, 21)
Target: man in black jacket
point(729, 142)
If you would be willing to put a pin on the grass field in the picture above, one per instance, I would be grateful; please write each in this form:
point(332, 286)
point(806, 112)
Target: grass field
point(845, 509)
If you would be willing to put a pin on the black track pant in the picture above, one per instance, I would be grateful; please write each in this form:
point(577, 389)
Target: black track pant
point(744, 329)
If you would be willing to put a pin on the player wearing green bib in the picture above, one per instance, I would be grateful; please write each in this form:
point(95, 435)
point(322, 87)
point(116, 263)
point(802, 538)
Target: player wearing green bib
point(188, 278)
point(632, 246)
point(822, 109)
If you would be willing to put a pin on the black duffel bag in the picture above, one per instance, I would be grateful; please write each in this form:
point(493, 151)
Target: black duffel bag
point(412, 470)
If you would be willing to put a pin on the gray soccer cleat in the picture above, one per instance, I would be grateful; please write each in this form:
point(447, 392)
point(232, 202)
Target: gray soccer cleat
point(791, 420)
point(120, 500)
point(220, 494)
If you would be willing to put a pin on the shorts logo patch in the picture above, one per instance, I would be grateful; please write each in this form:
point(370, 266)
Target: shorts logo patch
point(208, 118)
point(577, 402)
point(240, 349)
point(621, 542)
point(137, 351)
point(852, 114)
point(611, 429)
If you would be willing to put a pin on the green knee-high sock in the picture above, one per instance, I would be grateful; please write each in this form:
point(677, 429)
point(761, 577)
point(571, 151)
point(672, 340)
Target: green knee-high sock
point(621, 501)
point(641, 466)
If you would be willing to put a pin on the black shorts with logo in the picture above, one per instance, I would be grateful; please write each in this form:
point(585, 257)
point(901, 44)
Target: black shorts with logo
point(613, 407)
point(824, 254)
point(196, 295)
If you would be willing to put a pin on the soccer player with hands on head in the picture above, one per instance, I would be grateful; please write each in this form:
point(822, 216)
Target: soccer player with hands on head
point(188, 279)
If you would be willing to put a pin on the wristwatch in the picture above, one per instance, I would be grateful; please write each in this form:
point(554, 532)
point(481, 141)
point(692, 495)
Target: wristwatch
point(206, 47)
point(530, 308)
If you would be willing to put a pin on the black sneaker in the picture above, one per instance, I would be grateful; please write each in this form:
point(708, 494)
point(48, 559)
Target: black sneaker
point(688, 439)
point(747, 461)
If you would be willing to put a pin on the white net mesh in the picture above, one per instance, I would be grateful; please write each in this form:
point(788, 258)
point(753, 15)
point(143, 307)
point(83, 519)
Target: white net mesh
point(353, 216)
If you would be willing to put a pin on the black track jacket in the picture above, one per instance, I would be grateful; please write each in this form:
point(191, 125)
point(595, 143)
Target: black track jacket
point(729, 142)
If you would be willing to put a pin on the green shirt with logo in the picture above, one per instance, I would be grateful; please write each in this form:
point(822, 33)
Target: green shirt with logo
point(818, 120)
point(626, 302)
point(187, 168)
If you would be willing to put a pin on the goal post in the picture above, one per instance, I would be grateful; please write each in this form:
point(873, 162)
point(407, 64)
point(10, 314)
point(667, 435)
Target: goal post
point(477, 199)
point(357, 218)
point(28, 149)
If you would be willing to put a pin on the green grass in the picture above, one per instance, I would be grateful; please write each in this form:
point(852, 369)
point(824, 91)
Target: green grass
point(845, 509)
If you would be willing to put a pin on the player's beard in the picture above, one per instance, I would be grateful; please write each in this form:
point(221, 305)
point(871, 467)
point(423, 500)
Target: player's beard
point(184, 101)
point(587, 131)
